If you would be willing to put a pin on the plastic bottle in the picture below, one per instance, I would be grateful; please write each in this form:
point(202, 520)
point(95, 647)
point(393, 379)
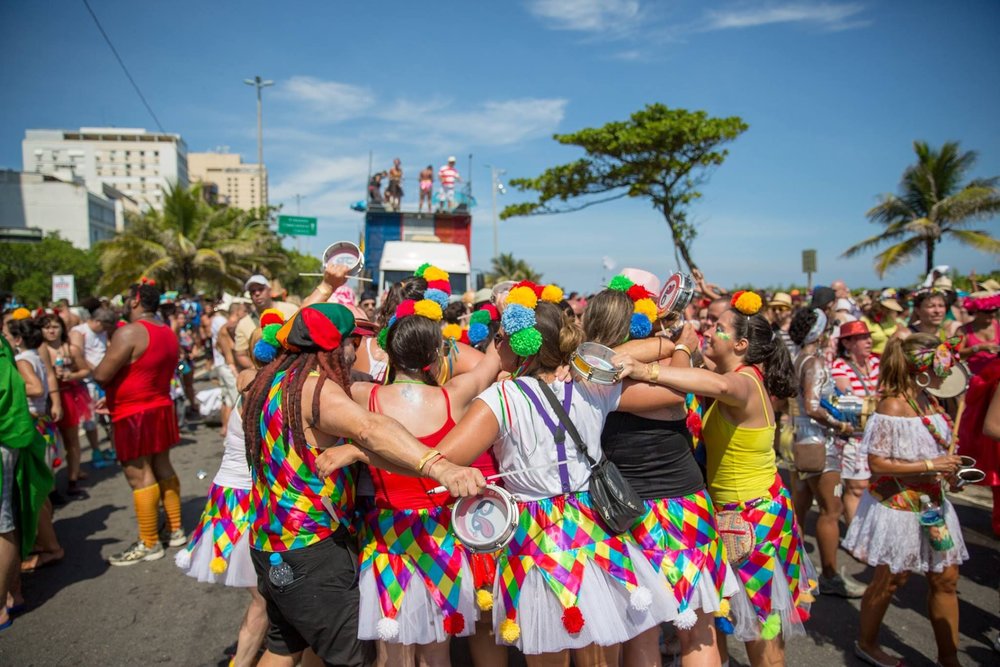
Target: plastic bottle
point(932, 519)
point(280, 573)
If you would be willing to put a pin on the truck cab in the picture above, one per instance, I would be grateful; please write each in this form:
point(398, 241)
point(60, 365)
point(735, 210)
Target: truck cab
point(401, 258)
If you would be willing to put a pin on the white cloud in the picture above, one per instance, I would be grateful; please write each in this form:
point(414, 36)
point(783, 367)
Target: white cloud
point(316, 175)
point(587, 15)
point(499, 123)
point(827, 15)
point(330, 101)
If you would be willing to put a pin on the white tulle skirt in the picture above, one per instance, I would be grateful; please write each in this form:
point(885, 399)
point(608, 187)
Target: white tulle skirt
point(239, 570)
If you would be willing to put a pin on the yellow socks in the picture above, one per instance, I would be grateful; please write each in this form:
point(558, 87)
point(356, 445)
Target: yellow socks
point(147, 510)
point(170, 495)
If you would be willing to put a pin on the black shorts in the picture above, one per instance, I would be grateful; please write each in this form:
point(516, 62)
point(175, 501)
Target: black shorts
point(320, 608)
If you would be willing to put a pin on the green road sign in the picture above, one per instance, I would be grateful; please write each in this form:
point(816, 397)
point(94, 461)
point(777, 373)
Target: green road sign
point(294, 225)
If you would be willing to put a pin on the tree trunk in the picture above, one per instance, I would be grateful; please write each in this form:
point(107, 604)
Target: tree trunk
point(681, 245)
point(930, 255)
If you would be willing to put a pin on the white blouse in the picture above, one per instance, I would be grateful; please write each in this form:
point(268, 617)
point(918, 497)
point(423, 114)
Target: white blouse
point(904, 438)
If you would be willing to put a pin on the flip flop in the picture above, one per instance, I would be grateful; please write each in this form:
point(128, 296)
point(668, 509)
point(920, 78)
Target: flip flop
point(860, 654)
point(4, 626)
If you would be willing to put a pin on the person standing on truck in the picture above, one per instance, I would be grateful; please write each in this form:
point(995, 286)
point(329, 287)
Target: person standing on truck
point(395, 189)
point(448, 176)
point(426, 188)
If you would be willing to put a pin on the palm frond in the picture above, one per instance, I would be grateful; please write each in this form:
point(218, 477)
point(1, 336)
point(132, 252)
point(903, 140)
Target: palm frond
point(978, 239)
point(898, 254)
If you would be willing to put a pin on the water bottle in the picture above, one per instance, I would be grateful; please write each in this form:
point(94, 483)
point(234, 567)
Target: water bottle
point(932, 519)
point(280, 573)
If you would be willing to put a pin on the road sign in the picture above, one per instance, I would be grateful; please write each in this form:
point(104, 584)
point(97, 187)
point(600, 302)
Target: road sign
point(64, 287)
point(808, 261)
point(295, 225)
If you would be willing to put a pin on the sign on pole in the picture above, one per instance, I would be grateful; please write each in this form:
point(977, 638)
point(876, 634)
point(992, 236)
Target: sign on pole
point(296, 225)
point(64, 287)
point(809, 266)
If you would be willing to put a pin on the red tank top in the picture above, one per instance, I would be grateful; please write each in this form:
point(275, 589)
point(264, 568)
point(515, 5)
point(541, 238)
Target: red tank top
point(145, 383)
point(399, 492)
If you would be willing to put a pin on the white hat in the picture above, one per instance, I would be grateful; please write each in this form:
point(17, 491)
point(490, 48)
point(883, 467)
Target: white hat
point(644, 278)
point(451, 158)
point(842, 304)
point(256, 279)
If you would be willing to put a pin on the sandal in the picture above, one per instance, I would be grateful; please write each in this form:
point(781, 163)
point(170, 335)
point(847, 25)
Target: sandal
point(861, 655)
point(42, 559)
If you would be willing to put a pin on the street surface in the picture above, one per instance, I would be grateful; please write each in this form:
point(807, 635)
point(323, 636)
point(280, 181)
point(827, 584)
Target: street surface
point(83, 612)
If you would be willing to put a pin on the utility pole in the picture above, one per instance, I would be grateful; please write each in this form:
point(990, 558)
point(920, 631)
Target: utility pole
point(298, 211)
point(496, 186)
point(259, 83)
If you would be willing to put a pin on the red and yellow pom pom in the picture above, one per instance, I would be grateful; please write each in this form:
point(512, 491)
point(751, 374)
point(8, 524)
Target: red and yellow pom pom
point(218, 565)
point(523, 296)
point(432, 273)
point(746, 302)
point(442, 285)
point(510, 631)
point(454, 623)
point(637, 292)
point(647, 308)
point(552, 294)
point(723, 608)
point(484, 600)
point(271, 316)
point(405, 308)
point(451, 331)
point(427, 308)
point(572, 620)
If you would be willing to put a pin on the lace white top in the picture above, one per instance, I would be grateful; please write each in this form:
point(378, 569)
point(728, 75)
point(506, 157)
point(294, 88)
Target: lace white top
point(904, 438)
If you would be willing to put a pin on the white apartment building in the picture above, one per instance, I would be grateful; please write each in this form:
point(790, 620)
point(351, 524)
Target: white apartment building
point(238, 184)
point(39, 201)
point(140, 164)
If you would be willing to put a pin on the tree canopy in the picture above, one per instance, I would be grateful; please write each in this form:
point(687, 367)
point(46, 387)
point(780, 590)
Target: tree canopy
point(506, 267)
point(26, 269)
point(659, 153)
point(933, 204)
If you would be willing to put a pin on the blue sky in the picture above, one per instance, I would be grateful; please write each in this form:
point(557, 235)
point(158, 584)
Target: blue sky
point(834, 93)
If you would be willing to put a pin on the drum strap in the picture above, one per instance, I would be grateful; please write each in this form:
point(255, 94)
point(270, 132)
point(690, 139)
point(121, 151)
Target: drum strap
point(558, 432)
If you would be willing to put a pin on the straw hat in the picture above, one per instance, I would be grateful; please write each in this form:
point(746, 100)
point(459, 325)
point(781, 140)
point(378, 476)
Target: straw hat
point(780, 299)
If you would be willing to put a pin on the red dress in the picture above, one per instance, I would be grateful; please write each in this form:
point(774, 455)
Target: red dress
point(142, 412)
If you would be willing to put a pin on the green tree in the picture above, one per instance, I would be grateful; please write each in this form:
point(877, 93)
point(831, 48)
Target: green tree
point(660, 153)
point(26, 269)
point(505, 267)
point(192, 243)
point(933, 203)
point(301, 263)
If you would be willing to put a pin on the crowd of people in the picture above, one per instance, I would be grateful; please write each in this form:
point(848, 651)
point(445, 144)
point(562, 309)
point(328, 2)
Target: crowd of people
point(391, 197)
point(660, 507)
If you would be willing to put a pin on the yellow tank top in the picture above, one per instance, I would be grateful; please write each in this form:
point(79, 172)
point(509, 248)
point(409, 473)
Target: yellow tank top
point(741, 462)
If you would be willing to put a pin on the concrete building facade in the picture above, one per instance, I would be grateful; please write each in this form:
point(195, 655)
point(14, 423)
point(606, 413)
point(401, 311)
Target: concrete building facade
point(43, 202)
point(140, 164)
point(238, 184)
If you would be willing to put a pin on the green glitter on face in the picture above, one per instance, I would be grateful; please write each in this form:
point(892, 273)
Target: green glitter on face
point(721, 334)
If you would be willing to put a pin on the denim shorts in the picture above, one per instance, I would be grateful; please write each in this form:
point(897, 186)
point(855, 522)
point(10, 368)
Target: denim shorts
point(8, 498)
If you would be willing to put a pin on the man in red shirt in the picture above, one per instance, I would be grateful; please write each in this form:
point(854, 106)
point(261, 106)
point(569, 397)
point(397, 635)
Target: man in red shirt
point(136, 373)
point(448, 177)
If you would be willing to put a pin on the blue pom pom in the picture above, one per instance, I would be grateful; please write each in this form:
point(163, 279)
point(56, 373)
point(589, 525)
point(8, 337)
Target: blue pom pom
point(392, 320)
point(640, 326)
point(724, 625)
point(478, 333)
point(516, 317)
point(437, 296)
point(264, 352)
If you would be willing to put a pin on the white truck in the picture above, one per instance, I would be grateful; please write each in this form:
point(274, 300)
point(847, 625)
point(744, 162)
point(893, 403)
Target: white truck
point(401, 258)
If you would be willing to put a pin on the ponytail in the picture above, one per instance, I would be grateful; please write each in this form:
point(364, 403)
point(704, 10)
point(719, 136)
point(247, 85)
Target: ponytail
point(766, 347)
point(895, 375)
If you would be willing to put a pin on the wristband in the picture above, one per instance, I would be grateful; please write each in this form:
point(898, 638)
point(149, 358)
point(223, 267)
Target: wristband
point(433, 463)
point(425, 458)
point(681, 347)
point(654, 371)
point(929, 465)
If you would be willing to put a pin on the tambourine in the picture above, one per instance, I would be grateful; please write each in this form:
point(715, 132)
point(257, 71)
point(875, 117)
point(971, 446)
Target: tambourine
point(953, 385)
point(487, 522)
point(676, 294)
point(592, 362)
point(500, 290)
point(346, 253)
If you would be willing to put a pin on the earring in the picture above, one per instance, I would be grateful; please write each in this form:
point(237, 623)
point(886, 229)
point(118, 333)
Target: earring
point(923, 379)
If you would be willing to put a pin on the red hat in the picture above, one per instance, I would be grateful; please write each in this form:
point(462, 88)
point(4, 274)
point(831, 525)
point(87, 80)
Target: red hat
point(855, 328)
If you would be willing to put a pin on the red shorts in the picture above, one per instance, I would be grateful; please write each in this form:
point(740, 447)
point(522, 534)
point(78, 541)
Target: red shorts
point(145, 433)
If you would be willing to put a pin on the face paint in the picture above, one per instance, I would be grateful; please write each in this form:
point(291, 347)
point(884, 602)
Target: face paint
point(721, 334)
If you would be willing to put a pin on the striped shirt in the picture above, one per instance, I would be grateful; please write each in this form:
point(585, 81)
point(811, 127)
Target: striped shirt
point(448, 175)
point(842, 368)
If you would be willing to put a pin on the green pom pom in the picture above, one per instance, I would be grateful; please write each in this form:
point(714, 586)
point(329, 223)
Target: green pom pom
point(383, 335)
point(269, 334)
point(420, 269)
point(620, 283)
point(771, 628)
point(480, 317)
point(526, 342)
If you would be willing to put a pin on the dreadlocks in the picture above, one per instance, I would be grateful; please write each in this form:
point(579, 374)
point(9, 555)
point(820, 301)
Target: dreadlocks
point(297, 366)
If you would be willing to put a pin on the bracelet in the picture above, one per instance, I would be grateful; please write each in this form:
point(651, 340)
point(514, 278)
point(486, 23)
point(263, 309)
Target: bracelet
point(681, 347)
point(654, 371)
point(929, 465)
point(433, 463)
point(425, 458)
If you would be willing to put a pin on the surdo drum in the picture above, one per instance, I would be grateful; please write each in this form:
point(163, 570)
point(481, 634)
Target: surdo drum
point(486, 522)
point(592, 362)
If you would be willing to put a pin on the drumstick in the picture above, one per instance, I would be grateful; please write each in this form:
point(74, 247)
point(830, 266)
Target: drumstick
point(958, 422)
point(320, 275)
point(441, 489)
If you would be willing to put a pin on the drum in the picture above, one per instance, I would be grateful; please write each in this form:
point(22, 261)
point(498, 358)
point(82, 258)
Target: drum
point(346, 253)
point(953, 385)
point(486, 522)
point(592, 362)
point(676, 294)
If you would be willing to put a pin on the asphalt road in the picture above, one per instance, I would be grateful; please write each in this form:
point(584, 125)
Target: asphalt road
point(83, 612)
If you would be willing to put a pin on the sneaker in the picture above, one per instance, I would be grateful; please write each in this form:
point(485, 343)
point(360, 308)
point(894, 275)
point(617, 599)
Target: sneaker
point(841, 587)
point(74, 492)
point(177, 538)
point(138, 553)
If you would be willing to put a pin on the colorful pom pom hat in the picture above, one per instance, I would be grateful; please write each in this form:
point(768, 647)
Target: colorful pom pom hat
point(518, 319)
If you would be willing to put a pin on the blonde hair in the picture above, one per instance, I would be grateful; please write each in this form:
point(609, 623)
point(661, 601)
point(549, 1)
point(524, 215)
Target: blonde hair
point(560, 336)
point(896, 373)
point(607, 318)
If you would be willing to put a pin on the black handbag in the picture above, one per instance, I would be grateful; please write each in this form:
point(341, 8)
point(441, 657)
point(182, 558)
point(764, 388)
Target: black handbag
point(614, 498)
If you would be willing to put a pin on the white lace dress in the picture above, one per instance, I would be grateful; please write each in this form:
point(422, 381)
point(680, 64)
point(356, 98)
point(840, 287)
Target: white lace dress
point(880, 535)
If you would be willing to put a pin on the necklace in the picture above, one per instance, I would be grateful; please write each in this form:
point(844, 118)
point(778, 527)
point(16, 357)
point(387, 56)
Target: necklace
point(408, 382)
point(929, 424)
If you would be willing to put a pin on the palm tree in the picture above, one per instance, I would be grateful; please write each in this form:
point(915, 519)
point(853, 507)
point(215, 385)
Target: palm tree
point(189, 242)
point(932, 203)
point(505, 267)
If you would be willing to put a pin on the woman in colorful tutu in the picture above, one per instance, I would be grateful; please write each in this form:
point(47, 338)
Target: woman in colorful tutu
point(653, 449)
point(753, 507)
point(908, 441)
point(418, 583)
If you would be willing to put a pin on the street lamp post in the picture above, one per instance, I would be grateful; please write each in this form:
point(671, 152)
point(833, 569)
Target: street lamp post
point(259, 83)
point(495, 187)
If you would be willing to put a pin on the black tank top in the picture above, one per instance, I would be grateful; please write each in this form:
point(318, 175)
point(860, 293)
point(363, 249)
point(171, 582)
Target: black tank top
point(654, 456)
